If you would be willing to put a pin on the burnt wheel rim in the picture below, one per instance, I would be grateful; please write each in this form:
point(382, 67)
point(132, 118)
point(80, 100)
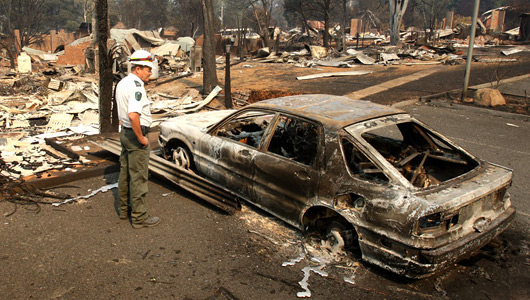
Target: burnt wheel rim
point(181, 158)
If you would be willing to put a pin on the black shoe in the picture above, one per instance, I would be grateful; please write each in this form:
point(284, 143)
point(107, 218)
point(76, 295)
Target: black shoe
point(149, 222)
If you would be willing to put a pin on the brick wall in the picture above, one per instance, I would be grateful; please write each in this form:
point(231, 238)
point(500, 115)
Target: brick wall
point(73, 55)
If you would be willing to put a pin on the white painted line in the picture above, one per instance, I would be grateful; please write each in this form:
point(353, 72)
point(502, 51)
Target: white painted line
point(391, 84)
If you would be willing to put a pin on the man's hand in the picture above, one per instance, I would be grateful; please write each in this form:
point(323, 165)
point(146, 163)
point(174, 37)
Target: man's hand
point(144, 141)
point(134, 118)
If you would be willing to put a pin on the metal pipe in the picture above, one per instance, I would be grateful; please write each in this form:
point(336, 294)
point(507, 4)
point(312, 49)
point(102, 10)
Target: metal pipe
point(470, 48)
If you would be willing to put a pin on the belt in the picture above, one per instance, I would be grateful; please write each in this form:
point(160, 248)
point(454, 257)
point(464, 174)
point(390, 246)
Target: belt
point(145, 129)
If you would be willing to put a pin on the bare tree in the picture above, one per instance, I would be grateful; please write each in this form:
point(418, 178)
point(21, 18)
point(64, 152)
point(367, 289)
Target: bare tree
point(88, 9)
point(325, 7)
point(262, 13)
point(130, 12)
point(432, 11)
point(343, 26)
point(192, 10)
point(319, 9)
point(209, 78)
point(26, 17)
point(397, 10)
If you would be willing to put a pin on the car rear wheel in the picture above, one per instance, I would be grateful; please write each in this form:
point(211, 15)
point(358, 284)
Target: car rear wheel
point(339, 236)
point(182, 157)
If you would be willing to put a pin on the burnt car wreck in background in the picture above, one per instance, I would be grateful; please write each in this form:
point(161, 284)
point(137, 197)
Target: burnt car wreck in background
point(369, 177)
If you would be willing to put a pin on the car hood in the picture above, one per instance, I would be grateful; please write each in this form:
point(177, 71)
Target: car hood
point(201, 119)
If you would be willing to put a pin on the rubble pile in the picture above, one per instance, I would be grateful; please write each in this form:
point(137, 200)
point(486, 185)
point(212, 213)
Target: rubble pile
point(173, 66)
point(387, 55)
point(30, 121)
point(40, 113)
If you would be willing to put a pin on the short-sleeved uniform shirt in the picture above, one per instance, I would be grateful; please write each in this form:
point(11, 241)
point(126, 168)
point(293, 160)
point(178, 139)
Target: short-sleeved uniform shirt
point(132, 97)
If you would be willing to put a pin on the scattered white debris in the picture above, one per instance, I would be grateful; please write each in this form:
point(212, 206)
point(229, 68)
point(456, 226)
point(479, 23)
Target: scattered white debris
point(294, 261)
point(512, 125)
point(334, 74)
point(511, 51)
point(85, 129)
point(350, 280)
point(304, 284)
point(101, 189)
point(89, 117)
point(387, 57)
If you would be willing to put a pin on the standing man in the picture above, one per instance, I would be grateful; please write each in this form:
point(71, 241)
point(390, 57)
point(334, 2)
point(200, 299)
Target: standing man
point(134, 112)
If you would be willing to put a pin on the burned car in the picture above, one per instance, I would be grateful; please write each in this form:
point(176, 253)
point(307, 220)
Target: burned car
point(371, 176)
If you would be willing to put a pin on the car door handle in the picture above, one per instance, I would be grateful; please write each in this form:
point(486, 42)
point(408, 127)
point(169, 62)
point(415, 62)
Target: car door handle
point(244, 152)
point(302, 175)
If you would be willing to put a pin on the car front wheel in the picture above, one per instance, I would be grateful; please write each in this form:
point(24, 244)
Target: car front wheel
point(182, 157)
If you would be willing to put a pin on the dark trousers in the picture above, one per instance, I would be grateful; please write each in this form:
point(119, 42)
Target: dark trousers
point(132, 184)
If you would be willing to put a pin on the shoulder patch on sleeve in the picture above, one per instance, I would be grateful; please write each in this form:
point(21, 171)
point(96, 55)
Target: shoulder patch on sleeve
point(137, 83)
point(138, 96)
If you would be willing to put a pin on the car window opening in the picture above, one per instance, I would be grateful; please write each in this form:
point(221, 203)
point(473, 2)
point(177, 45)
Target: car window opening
point(295, 139)
point(360, 165)
point(247, 128)
point(419, 155)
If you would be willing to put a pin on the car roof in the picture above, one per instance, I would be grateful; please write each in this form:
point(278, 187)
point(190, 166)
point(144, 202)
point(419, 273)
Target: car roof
point(333, 111)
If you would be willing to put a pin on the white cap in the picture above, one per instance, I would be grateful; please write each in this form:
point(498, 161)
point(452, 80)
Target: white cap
point(142, 58)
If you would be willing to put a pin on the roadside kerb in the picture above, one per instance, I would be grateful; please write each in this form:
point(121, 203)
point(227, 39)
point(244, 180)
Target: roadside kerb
point(491, 112)
point(436, 100)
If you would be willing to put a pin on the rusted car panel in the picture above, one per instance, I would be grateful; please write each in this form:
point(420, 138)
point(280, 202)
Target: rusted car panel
point(409, 198)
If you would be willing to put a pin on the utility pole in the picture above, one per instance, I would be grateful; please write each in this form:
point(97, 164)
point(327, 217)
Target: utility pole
point(470, 49)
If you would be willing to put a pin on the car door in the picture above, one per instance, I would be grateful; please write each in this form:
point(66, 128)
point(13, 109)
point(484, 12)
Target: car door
point(227, 151)
point(286, 173)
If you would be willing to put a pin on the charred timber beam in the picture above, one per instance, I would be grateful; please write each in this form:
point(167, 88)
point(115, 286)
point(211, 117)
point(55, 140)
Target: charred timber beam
point(62, 149)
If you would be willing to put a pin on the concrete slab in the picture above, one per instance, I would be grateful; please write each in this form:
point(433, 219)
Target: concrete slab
point(519, 88)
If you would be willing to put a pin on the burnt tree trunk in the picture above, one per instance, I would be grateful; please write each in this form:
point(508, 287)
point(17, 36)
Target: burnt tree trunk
point(105, 69)
point(326, 22)
point(343, 27)
point(397, 10)
point(209, 76)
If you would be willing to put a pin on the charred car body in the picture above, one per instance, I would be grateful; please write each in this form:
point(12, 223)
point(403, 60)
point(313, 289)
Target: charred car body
point(375, 178)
